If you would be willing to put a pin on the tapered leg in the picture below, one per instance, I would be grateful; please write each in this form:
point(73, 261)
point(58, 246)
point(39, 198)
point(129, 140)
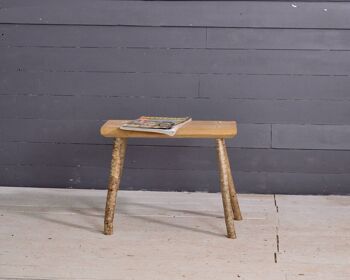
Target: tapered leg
point(233, 194)
point(118, 156)
point(225, 192)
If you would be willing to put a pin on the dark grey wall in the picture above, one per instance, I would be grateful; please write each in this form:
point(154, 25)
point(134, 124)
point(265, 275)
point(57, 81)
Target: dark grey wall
point(280, 70)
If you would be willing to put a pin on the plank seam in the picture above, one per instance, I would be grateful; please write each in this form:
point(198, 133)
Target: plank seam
point(173, 26)
point(9, 46)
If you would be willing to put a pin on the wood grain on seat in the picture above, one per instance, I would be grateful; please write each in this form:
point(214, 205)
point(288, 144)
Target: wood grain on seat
point(194, 129)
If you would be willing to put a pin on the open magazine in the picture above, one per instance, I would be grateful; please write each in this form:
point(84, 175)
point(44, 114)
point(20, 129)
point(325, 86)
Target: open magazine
point(164, 125)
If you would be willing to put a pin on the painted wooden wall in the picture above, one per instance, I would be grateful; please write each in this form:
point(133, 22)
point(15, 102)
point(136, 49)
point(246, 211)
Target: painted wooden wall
point(280, 69)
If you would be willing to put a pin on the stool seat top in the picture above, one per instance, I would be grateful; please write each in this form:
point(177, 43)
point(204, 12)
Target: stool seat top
point(193, 129)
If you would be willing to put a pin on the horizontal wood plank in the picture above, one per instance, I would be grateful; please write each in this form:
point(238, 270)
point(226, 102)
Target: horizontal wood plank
point(175, 61)
point(178, 13)
point(275, 87)
point(98, 108)
point(176, 85)
point(300, 39)
point(308, 183)
point(176, 158)
point(331, 137)
point(51, 131)
point(99, 84)
point(101, 36)
point(178, 180)
point(172, 37)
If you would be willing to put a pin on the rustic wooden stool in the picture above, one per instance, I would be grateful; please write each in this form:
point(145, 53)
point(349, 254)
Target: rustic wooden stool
point(218, 130)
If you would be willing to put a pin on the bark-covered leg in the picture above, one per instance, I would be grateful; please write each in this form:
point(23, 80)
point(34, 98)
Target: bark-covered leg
point(233, 194)
point(224, 183)
point(114, 181)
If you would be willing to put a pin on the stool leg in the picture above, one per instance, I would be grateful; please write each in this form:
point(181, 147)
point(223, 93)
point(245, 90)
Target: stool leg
point(233, 194)
point(118, 156)
point(224, 183)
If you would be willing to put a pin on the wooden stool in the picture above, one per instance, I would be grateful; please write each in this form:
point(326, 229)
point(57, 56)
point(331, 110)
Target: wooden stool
point(218, 130)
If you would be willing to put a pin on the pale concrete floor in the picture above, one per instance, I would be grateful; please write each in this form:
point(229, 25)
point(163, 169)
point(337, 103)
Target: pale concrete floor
point(56, 234)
